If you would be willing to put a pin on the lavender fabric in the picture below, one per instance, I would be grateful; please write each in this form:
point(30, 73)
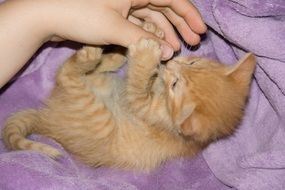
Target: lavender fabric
point(254, 158)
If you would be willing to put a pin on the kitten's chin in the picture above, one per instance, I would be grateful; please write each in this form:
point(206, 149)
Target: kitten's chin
point(163, 73)
point(161, 70)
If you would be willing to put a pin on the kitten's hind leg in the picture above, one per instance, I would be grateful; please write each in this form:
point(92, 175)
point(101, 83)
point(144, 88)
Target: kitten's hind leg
point(88, 58)
point(83, 61)
point(111, 62)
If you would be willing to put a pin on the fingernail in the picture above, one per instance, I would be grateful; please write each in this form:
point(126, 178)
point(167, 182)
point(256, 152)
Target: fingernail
point(167, 52)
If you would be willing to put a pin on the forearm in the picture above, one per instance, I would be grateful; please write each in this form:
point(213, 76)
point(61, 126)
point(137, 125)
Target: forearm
point(140, 79)
point(26, 24)
point(139, 87)
point(21, 35)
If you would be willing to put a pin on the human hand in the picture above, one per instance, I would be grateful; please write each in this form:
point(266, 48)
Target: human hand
point(26, 25)
point(104, 22)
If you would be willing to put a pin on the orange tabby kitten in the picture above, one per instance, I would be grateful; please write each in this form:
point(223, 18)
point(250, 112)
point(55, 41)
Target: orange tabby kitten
point(157, 112)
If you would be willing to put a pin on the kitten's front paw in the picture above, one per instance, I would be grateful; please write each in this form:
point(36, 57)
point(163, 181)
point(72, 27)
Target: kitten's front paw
point(145, 48)
point(89, 53)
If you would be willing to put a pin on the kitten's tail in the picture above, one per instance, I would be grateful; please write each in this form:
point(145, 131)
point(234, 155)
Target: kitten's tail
point(20, 125)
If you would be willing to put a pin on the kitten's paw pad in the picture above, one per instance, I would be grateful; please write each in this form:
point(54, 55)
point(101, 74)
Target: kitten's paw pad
point(113, 58)
point(89, 53)
point(111, 62)
point(145, 47)
point(152, 28)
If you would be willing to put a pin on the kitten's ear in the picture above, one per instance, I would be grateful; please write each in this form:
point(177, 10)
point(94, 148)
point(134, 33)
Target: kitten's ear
point(186, 120)
point(186, 126)
point(243, 70)
point(185, 113)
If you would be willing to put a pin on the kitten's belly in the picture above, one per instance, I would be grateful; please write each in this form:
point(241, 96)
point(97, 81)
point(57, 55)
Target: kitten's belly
point(131, 145)
point(111, 93)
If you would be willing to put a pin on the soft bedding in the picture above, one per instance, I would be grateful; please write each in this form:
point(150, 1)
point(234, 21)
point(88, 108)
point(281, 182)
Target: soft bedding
point(253, 158)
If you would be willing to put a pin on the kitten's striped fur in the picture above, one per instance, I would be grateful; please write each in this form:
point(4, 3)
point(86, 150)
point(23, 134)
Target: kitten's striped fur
point(154, 114)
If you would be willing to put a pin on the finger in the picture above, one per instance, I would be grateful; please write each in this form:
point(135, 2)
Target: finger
point(186, 32)
point(183, 8)
point(135, 20)
point(128, 33)
point(147, 26)
point(151, 27)
point(161, 22)
point(56, 39)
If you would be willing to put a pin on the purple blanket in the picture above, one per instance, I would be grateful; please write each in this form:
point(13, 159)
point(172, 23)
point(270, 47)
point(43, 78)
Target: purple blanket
point(254, 158)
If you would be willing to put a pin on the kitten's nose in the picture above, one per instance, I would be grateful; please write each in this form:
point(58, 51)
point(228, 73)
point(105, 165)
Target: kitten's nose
point(171, 65)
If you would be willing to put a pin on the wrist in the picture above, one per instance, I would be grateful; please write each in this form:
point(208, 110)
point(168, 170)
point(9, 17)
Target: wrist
point(29, 17)
point(21, 31)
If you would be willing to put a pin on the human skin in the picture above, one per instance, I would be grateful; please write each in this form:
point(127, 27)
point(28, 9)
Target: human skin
point(27, 24)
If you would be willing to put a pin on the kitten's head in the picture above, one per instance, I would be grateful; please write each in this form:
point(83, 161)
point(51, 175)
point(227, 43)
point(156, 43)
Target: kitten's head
point(205, 98)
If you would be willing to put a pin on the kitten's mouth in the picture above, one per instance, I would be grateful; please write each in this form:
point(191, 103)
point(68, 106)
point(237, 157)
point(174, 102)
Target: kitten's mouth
point(166, 68)
point(161, 69)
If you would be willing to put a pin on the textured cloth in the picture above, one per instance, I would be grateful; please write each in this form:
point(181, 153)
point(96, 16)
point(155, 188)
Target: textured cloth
point(254, 158)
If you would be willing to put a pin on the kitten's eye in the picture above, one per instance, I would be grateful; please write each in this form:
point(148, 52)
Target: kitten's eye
point(193, 61)
point(174, 83)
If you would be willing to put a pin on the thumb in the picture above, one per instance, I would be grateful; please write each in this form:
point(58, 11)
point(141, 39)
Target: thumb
point(127, 33)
